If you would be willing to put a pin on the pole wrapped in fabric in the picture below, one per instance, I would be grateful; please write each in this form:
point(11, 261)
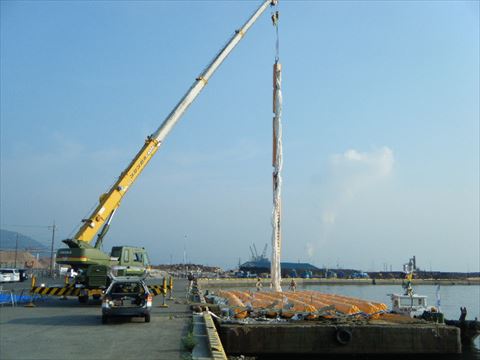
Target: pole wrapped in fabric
point(277, 178)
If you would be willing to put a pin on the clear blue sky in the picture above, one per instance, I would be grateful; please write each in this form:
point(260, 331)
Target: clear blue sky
point(381, 127)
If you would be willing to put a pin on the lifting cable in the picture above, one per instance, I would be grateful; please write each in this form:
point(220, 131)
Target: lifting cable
point(275, 17)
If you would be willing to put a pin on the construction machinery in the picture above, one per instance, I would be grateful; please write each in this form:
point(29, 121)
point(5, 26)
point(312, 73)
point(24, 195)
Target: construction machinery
point(92, 264)
point(256, 256)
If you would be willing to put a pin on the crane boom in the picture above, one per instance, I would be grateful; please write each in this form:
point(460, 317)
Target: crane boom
point(202, 80)
point(110, 201)
point(256, 252)
point(264, 252)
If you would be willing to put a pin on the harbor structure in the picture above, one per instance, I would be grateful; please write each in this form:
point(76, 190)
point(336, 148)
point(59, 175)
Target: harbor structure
point(263, 266)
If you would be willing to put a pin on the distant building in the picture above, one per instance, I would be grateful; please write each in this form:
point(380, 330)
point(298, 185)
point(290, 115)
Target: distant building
point(288, 268)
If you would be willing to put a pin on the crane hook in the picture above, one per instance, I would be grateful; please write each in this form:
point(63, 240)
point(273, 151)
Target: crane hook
point(275, 17)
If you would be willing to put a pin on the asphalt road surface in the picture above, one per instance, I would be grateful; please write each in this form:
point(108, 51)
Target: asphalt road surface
point(57, 329)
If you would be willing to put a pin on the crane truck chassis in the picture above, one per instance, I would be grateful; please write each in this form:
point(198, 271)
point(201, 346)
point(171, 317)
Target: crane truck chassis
point(94, 265)
point(84, 293)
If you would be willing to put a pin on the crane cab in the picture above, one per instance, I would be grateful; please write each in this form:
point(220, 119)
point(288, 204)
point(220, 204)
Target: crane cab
point(129, 260)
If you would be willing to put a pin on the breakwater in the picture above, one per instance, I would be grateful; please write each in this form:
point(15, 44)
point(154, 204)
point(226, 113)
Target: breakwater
point(226, 282)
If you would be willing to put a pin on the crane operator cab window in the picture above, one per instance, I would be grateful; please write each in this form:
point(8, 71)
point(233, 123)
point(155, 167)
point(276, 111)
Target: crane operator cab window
point(146, 261)
point(138, 257)
point(141, 258)
point(116, 253)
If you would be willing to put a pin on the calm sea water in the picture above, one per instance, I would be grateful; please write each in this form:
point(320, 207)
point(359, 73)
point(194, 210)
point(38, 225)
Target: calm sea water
point(451, 298)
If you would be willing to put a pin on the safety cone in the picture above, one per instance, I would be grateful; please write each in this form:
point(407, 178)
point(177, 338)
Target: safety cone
point(164, 293)
point(170, 288)
point(31, 304)
point(163, 305)
point(63, 297)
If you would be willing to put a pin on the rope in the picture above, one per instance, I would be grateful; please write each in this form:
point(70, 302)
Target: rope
point(275, 17)
point(277, 45)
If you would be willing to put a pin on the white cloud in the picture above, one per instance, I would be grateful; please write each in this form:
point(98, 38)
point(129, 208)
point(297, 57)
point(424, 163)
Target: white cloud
point(310, 249)
point(328, 217)
point(352, 173)
point(378, 163)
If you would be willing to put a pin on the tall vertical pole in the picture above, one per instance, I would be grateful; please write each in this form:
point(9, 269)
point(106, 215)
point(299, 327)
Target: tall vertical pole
point(185, 256)
point(16, 251)
point(277, 163)
point(51, 249)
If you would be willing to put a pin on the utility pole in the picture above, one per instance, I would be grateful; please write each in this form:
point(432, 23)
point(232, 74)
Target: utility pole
point(185, 268)
point(16, 251)
point(53, 227)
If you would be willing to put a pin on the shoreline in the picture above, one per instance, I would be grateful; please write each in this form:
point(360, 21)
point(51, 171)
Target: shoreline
point(300, 282)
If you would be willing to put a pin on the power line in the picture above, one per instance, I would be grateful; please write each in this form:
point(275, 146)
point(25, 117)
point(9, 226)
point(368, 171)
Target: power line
point(28, 249)
point(27, 226)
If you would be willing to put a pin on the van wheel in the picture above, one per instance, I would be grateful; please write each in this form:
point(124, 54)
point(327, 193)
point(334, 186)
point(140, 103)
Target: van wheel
point(83, 299)
point(97, 296)
point(147, 318)
point(104, 319)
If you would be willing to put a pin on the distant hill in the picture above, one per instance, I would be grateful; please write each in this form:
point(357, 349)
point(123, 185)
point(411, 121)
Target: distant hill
point(8, 239)
point(22, 259)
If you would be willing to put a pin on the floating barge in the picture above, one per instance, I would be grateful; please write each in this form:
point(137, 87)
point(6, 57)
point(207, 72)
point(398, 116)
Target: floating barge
point(313, 338)
point(310, 323)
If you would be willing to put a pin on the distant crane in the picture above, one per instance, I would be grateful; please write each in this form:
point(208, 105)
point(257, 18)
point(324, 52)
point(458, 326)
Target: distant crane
point(264, 252)
point(256, 252)
point(255, 255)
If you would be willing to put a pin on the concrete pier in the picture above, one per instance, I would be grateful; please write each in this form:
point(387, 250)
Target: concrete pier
point(57, 329)
point(315, 339)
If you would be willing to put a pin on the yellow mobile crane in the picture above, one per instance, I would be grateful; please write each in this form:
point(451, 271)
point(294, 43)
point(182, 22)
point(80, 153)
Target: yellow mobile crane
point(93, 264)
